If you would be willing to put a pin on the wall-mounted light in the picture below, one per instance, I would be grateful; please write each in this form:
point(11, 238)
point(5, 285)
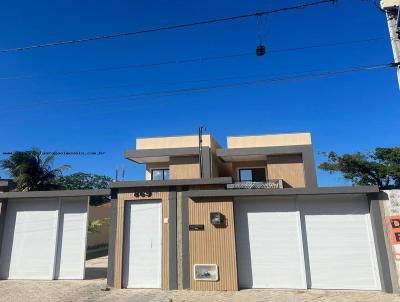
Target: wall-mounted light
point(217, 219)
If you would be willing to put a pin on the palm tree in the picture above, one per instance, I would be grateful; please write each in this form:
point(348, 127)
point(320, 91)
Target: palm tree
point(32, 171)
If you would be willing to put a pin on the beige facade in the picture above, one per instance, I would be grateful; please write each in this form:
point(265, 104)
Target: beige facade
point(270, 140)
point(166, 142)
point(181, 167)
point(287, 167)
point(184, 168)
point(213, 244)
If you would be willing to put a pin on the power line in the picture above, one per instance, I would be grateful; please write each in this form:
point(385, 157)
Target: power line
point(128, 66)
point(282, 78)
point(164, 28)
point(187, 61)
point(338, 43)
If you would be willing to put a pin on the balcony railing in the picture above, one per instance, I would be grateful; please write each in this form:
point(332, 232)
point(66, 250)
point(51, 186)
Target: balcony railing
point(268, 184)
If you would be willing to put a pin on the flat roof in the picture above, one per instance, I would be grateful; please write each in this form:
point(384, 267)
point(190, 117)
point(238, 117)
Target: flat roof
point(159, 155)
point(58, 193)
point(240, 154)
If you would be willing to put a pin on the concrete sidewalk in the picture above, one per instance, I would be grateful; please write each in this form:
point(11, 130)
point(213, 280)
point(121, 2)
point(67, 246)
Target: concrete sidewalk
point(92, 289)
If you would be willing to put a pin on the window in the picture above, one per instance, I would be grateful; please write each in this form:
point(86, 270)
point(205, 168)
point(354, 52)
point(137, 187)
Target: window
point(159, 174)
point(253, 175)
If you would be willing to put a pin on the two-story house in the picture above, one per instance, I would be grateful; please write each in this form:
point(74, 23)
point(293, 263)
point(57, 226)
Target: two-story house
point(250, 215)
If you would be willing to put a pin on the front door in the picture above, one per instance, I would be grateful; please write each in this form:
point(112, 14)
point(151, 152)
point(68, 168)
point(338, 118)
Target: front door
point(142, 245)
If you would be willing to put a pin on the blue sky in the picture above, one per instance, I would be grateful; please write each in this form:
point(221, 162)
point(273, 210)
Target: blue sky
point(345, 113)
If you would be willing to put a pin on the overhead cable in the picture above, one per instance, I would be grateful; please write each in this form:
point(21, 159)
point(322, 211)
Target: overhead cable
point(164, 28)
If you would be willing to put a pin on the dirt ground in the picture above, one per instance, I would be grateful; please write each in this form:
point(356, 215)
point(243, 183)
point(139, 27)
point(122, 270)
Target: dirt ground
point(93, 289)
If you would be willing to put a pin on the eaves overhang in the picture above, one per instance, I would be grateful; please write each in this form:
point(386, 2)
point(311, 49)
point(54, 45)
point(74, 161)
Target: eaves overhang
point(282, 192)
point(171, 182)
point(58, 193)
point(159, 155)
point(244, 154)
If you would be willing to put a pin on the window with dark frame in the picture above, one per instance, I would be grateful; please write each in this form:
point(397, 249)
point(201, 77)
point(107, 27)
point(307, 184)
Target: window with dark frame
point(252, 175)
point(159, 174)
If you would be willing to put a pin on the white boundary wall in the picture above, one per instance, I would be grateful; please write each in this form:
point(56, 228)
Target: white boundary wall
point(392, 208)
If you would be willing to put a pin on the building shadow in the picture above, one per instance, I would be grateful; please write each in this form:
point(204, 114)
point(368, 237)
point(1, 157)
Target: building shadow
point(92, 273)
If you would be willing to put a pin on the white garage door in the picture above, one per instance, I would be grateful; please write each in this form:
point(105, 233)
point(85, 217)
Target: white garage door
point(268, 243)
point(340, 243)
point(142, 245)
point(71, 251)
point(44, 239)
point(29, 242)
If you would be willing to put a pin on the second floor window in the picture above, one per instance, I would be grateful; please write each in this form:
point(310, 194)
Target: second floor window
point(253, 175)
point(159, 174)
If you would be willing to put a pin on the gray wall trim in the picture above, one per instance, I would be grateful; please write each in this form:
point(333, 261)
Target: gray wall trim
point(3, 214)
point(386, 264)
point(206, 154)
point(310, 173)
point(171, 182)
point(111, 243)
point(304, 240)
point(139, 156)
point(285, 191)
point(185, 241)
point(225, 154)
point(173, 281)
point(62, 193)
point(179, 239)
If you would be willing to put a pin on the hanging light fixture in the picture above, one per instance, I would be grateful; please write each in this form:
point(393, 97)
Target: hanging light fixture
point(260, 50)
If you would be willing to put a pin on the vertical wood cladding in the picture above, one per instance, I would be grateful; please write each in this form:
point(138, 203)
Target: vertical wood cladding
point(214, 245)
point(184, 168)
point(129, 195)
point(290, 168)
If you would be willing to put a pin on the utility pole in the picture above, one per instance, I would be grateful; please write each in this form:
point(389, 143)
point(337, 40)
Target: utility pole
point(201, 149)
point(392, 10)
point(116, 173)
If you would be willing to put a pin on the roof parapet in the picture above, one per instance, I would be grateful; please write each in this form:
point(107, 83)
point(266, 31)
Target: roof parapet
point(269, 140)
point(168, 142)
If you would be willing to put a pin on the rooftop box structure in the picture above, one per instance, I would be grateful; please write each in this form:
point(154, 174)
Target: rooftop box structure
point(269, 140)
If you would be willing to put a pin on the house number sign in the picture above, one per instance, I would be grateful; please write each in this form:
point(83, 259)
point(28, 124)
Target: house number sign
point(196, 227)
point(143, 194)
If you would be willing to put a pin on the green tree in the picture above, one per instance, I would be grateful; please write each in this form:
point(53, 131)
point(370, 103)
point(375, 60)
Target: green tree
point(380, 168)
point(32, 171)
point(85, 181)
